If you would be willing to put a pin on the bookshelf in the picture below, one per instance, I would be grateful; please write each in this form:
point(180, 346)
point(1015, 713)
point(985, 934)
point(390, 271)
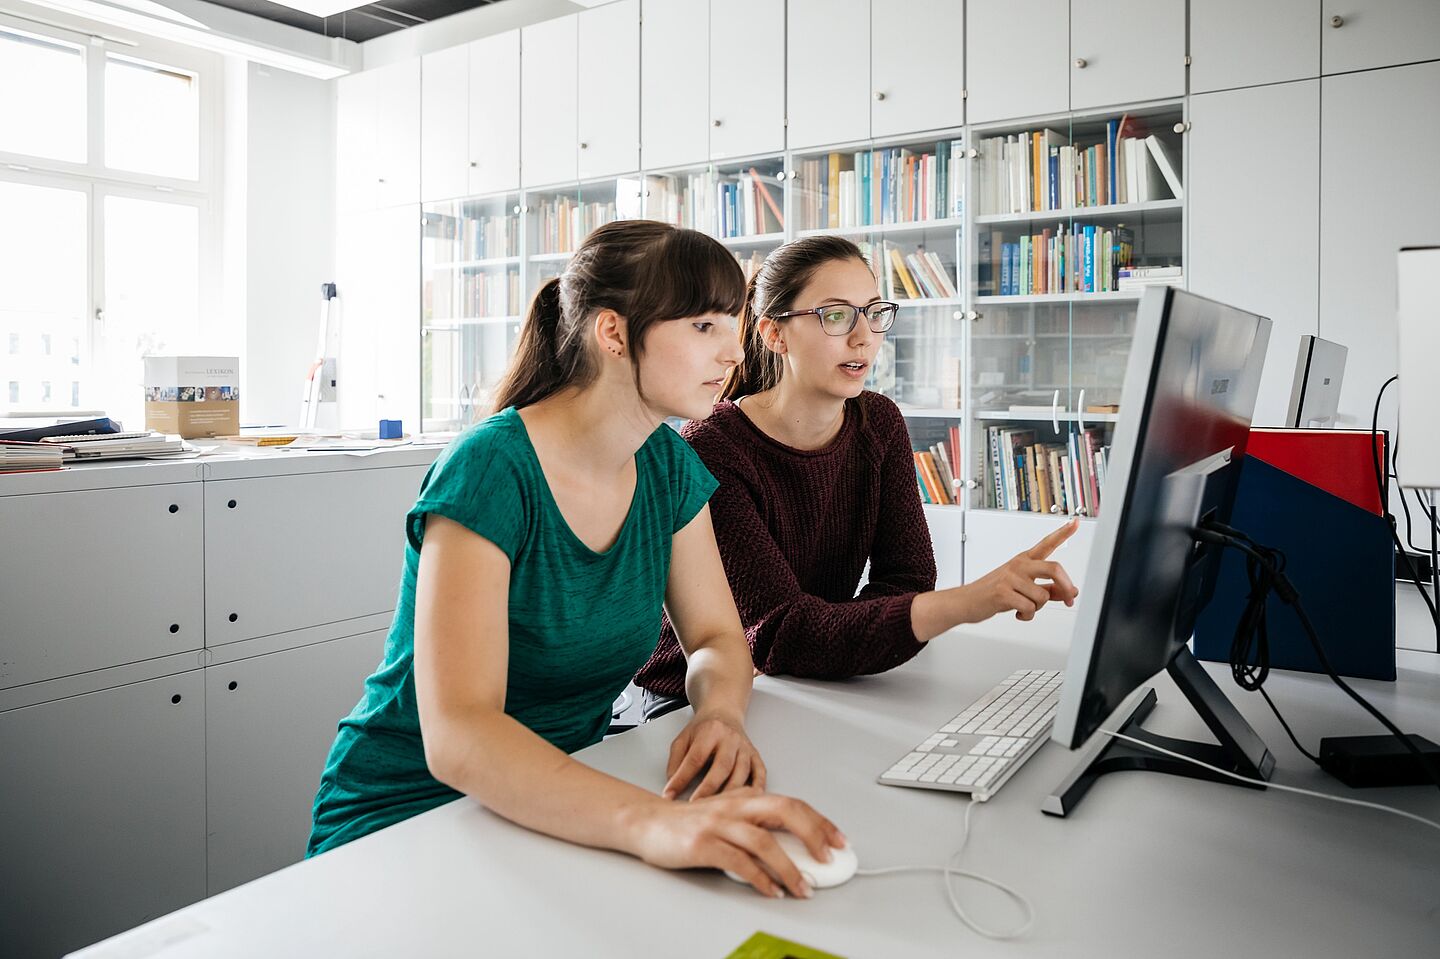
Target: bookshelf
point(1017, 280)
point(1072, 218)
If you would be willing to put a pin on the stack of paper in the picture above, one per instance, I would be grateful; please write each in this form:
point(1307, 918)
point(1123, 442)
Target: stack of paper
point(148, 444)
point(18, 457)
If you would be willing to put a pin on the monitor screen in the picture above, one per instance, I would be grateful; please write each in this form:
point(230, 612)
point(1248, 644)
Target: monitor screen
point(1185, 411)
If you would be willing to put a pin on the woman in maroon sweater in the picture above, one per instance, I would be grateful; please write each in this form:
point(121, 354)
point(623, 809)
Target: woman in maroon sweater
point(817, 479)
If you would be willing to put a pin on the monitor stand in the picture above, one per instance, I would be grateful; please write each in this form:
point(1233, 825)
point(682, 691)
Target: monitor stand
point(1239, 750)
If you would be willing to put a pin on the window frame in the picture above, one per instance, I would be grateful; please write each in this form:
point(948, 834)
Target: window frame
point(98, 181)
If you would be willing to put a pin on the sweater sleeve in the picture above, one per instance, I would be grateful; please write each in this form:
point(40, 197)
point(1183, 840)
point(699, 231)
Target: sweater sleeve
point(902, 558)
point(789, 630)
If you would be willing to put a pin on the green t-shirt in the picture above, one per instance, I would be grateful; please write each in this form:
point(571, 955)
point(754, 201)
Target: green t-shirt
point(581, 622)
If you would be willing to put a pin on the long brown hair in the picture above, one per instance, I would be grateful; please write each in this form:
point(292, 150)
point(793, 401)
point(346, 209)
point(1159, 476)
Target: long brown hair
point(643, 270)
point(772, 290)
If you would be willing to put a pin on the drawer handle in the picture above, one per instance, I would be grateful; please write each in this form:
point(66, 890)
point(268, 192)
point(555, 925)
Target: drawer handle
point(174, 627)
point(174, 508)
point(234, 616)
point(231, 504)
point(233, 684)
point(175, 698)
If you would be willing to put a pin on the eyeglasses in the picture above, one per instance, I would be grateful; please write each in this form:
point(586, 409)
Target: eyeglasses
point(839, 319)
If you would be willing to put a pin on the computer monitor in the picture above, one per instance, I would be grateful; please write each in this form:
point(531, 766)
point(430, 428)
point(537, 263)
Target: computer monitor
point(1185, 410)
point(1315, 395)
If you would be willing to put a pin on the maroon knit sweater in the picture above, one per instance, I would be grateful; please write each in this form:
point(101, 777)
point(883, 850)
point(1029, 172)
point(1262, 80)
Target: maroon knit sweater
point(795, 528)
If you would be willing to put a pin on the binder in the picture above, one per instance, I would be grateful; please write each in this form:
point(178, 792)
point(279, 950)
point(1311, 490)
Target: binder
point(1339, 556)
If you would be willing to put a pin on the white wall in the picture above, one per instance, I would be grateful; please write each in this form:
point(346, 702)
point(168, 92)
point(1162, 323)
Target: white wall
point(462, 27)
point(289, 245)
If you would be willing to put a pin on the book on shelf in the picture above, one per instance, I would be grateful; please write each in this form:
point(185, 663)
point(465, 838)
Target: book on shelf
point(1025, 475)
point(489, 237)
point(564, 221)
point(882, 186)
point(1140, 277)
point(677, 199)
point(743, 208)
point(919, 275)
point(1042, 170)
point(937, 471)
point(749, 262)
point(1082, 259)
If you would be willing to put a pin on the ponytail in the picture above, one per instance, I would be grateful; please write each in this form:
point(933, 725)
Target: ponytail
point(540, 365)
point(773, 289)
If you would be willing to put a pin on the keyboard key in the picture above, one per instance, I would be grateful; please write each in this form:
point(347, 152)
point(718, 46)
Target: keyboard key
point(906, 776)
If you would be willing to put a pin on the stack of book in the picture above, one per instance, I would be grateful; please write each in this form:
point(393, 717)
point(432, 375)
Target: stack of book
point(1042, 170)
point(563, 222)
point(21, 457)
point(104, 446)
point(1139, 277)
point(1028, 476)
point(491, 294)
point(937, 471)
point(488, 237)
point(677, 199)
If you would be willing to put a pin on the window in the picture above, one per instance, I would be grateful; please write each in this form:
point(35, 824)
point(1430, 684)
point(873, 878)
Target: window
point(107, 212)
point(42, 96)
point(152, 119)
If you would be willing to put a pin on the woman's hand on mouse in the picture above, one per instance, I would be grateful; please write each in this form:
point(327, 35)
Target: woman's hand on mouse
point(732, 832)
point(718, 742)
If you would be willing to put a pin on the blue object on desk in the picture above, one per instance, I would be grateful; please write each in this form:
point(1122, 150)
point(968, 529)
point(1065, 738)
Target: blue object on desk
point(390, 430)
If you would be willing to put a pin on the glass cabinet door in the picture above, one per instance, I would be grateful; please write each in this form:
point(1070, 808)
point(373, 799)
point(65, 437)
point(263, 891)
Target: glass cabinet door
point(1073, 218)
point(471, 300)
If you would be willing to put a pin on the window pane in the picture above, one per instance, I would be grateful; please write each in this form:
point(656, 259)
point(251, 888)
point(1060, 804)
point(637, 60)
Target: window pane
point(152, 119)
point(152, 294)
point(42, 97)
point(43, 287)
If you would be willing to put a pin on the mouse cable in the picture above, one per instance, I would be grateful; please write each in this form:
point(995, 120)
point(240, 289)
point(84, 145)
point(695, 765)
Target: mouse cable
point(1271, 785)
point(950, 871)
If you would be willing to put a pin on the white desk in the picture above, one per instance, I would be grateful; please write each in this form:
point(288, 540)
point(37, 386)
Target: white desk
point(1148, 865)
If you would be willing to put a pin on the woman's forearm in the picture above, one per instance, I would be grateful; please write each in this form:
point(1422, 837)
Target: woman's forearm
point(935, 612)
point(516, 774)
point(719, 674)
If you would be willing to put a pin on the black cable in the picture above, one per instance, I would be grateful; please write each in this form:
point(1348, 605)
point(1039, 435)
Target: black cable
point(1271, 562)
point(1394, 468)
point(1384, 489)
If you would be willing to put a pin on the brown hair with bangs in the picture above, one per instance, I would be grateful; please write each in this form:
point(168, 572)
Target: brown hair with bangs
point(645, 271)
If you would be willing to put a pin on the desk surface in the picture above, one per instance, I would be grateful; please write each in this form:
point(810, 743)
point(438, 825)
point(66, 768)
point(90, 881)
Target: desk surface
point(1149, 864)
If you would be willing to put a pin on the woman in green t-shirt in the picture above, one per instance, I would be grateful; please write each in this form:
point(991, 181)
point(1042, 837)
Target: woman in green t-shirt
point(553, 532)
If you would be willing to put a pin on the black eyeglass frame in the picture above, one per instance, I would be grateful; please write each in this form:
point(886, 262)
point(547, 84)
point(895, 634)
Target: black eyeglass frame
point(855, 312)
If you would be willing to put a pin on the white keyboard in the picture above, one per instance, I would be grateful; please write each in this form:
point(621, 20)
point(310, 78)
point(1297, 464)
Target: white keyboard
point(981, 748)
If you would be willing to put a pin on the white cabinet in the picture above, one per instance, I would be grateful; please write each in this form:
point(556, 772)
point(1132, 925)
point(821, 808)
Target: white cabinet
point(947, 536)
point(287, 552)
point(444, 126)
point(377, 273)
point(674, 84)
point(112, 576)
point(102, 812)
point(747, 78)
point(356, 168)
point(917, 66)
point(1254, 158)
point(548, 102)
point(1240, 43)
point(269, 724)
point(397, 128)
point(1363, 34)
point(494, 113)
point(827, 72)
point(608, 119)
point(1378, 192)
point(377, 138)
point(1017, 51)
point(1123, 51)
point(993, 538)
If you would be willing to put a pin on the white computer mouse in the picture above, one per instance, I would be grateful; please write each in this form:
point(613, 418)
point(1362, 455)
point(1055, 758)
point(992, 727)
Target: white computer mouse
point(820, 875)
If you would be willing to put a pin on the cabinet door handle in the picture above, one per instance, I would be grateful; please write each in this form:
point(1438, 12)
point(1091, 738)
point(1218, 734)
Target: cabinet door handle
point(1055, 413)
point(584, 146)
point(714, 123)
point(473, 164)
point(879, 96)
point(1080, 411)
point(1080, 63)
point(1337, 21)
